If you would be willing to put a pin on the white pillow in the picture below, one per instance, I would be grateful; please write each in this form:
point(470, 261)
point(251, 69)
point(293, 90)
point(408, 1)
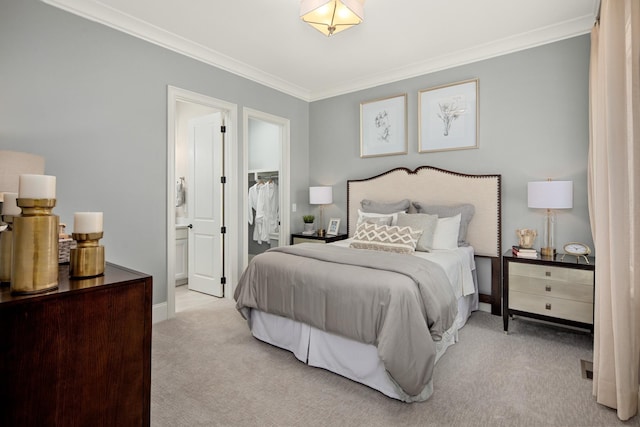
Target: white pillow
point(382, 219)
point(446, 234)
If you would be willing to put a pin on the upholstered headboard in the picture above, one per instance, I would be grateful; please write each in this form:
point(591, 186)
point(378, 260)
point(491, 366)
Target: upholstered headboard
point(431, 185)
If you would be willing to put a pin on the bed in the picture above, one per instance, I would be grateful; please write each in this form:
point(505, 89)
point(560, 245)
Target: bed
point(333, 307)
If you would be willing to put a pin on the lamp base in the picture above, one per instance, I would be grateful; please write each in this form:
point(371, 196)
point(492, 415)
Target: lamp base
point(548, 252)
point(321, 232)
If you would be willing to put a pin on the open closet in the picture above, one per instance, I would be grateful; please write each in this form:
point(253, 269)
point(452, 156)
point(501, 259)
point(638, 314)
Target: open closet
point(263, 211)
point(263, 192)
point(266, 183)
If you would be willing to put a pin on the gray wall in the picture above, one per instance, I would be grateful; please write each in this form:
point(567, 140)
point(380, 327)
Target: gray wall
point(93, 102)
point(533, 126)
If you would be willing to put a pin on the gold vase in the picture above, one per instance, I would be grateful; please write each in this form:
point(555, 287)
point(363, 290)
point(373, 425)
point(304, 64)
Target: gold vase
point(87, 258)
point(6, 245)
point(34, 263)
point(526, 237)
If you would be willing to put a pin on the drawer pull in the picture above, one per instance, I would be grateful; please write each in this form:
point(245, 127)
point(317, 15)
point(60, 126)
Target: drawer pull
point(548, 306)
point(547, 288)
point(547, 273)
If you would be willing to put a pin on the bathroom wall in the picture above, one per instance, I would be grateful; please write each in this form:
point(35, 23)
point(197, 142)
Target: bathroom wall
point(184, 112)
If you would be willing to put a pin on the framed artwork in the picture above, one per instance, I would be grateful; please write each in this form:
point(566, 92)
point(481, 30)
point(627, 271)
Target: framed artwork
point(383, 126)
point(448, 117)
point(334, 226)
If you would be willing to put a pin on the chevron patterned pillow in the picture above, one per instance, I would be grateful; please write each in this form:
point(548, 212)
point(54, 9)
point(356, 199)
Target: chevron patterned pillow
point(390, 238)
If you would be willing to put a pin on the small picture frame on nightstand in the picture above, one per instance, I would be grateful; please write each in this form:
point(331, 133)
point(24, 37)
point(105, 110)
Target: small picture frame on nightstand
point(334, 225)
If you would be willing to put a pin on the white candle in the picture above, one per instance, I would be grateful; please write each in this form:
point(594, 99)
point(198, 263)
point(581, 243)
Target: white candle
point(36, 187)
point(87, 222)
point(10, 204)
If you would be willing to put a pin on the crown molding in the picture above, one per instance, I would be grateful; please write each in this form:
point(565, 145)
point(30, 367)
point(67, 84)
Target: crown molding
point(96, 11)
point(528, 40)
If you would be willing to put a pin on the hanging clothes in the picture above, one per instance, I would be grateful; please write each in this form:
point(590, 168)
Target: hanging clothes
point(263, 198)
point(274, 207)
point(253, 200)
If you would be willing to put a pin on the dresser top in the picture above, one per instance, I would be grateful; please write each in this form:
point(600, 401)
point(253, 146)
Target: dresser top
point(113, 274)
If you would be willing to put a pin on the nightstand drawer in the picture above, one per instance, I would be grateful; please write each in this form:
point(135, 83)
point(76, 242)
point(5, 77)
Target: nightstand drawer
point(552, 288)
point(554, 307)
point(560, 274)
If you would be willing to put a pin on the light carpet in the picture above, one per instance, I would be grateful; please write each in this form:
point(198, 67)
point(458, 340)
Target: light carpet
point(208, 370)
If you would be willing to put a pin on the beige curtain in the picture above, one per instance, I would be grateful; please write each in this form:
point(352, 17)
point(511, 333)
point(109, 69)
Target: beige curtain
point(614, 203)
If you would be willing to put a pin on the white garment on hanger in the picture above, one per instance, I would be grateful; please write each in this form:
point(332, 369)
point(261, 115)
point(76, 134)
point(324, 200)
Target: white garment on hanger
point(253, 201)
point(274, 208)
point(267, 211)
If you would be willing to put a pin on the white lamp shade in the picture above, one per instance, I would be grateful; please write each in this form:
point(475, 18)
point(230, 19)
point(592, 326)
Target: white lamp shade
point(320, 195)
point(550, 194)
point(13, 164)
point(332, 16)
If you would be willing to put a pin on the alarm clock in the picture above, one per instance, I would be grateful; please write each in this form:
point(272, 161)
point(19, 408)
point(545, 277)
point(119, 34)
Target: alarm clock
point(577, 249)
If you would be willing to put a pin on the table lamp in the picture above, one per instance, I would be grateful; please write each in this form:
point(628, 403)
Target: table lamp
point(321, 196)
point(550, 195)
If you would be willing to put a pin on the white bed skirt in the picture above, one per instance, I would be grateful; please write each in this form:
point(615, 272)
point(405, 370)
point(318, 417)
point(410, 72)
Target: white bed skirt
point(351, 359)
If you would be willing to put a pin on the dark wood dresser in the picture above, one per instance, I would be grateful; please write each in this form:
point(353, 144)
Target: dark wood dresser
point(79, 355)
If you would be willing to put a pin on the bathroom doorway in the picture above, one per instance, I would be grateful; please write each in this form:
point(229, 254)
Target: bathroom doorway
point(184, 109)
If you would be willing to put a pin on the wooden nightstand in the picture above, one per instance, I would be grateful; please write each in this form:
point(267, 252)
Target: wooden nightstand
point(554, 290)
point(304, 238)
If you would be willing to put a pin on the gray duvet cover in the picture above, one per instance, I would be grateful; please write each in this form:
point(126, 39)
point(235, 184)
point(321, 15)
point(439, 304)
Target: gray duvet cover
point(399, 303)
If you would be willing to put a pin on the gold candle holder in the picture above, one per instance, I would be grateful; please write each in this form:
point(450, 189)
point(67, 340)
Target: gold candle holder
point(34, 263)
point(87, 258)
point(6, 245)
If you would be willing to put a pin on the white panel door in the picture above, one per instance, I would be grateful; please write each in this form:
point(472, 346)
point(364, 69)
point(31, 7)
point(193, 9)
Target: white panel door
point(204, 200)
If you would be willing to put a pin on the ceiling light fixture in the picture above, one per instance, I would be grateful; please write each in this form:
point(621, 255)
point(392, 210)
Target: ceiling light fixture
point(331, 17)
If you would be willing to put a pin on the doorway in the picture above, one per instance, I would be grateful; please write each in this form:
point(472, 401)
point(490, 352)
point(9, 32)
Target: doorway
point(265, 166)
point(183, 105)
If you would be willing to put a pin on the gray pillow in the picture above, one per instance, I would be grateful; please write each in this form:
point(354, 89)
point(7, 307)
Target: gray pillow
point(466, 211)
point(425, 222)
point(385, 207)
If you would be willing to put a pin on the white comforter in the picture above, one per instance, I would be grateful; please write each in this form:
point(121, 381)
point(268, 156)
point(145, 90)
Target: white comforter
point(457, 264)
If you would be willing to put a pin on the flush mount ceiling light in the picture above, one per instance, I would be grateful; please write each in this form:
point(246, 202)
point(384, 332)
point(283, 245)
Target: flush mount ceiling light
point(331, 17)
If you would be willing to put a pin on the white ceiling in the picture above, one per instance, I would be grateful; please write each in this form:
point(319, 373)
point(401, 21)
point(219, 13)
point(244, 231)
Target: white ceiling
point(265, 40)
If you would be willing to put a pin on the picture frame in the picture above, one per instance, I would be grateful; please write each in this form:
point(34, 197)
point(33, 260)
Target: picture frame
point(383, 126)
point(334, 227)
point(448, 117)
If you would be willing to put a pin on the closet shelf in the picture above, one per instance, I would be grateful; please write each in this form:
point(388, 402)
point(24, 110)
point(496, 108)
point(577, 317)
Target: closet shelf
point(263, 174)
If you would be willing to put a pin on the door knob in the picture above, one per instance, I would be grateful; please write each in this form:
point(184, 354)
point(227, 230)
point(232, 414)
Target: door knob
point(190, 225)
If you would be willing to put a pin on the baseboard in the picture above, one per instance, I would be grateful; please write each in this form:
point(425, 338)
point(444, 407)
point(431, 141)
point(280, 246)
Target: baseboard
point(159, 312)
point(483, 306)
